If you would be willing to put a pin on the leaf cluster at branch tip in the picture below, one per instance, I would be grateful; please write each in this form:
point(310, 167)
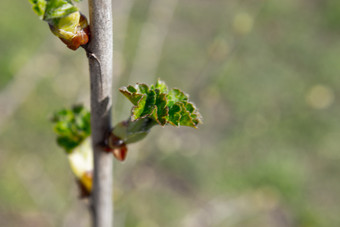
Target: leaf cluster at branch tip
point(162, 105)
point(72, 127)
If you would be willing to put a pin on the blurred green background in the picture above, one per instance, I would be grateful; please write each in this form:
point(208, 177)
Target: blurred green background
point(264, 74)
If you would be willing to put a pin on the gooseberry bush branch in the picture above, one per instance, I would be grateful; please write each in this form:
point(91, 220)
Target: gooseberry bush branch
point(100, 53)
point(77, 128)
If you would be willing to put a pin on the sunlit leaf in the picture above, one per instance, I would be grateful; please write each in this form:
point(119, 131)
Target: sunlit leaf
point(161, 105)
point(56, 9)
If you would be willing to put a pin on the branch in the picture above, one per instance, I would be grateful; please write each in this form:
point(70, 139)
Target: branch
point(99, 53)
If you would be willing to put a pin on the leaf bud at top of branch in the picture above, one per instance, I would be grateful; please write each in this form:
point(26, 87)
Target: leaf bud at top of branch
point(65, 21)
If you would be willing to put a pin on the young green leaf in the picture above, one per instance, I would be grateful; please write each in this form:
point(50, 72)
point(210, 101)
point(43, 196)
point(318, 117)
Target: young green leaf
point(56, 9)
point(161, 105)
point(39, 7)
point(53, 9)
point(176, 96)
point(161, 86)
point(162, 110)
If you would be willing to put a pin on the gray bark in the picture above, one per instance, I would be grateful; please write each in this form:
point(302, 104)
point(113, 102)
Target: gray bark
point(100, 62)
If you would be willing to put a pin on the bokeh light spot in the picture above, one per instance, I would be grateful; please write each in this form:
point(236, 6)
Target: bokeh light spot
point(243, 23)
point(320, 97)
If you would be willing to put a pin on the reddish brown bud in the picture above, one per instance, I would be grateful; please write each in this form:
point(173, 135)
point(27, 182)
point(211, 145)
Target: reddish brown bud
point(115, 145)
point(120, 153)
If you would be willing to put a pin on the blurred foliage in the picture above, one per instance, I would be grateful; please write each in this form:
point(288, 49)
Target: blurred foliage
point(72, 127)
point(265, 76)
